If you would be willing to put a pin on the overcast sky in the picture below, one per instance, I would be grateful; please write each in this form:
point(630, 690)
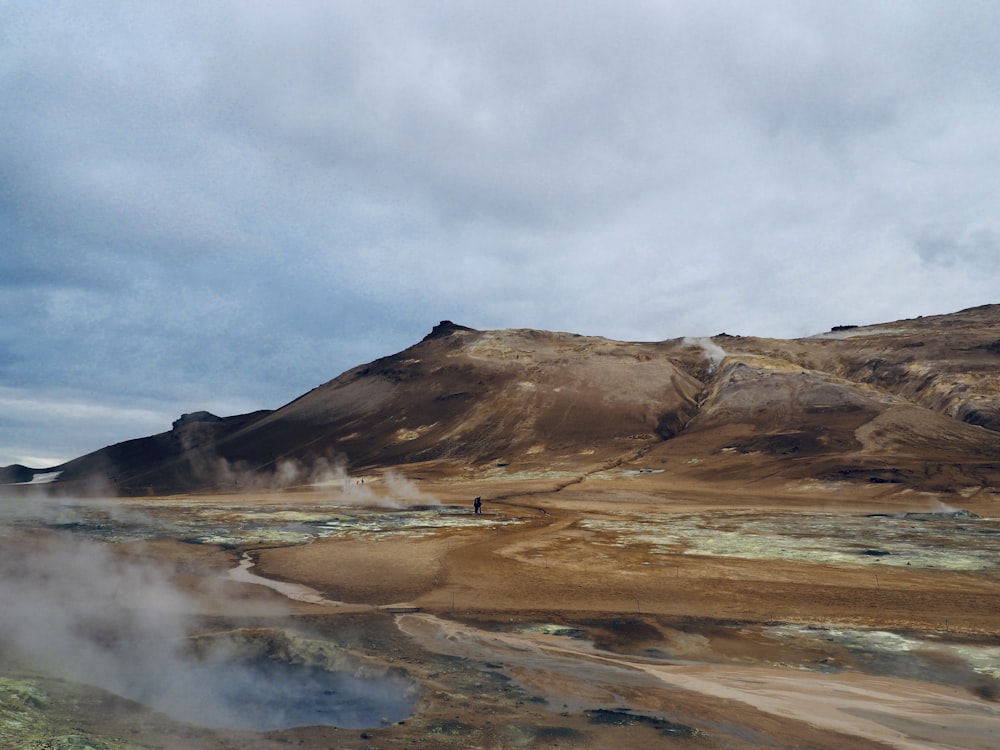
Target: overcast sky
point(221, 205)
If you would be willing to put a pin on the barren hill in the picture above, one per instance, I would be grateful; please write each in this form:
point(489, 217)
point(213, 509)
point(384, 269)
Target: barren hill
point(915, 403)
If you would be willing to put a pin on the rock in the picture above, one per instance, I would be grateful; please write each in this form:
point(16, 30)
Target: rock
point(74, 742)
point(197, 416)
point(445, 328)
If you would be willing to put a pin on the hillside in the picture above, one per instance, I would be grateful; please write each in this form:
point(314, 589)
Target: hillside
point(914, 403)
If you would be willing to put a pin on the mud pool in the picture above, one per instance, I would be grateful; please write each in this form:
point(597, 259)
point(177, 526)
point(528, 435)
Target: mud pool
point(264, 695)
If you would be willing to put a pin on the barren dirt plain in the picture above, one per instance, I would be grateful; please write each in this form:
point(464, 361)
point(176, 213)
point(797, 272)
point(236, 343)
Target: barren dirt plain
point(617, 611)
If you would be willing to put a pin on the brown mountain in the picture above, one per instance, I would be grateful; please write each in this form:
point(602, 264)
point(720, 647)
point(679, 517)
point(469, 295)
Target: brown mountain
point(914, 404)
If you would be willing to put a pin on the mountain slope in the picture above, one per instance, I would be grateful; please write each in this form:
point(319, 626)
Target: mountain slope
point(903, 403)
point(914, 403)
point(462, 397)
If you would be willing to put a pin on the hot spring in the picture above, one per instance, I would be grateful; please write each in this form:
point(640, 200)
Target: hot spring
point(265, 680)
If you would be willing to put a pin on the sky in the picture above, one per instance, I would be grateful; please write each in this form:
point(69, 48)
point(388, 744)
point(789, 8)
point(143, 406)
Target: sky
point(222, 205)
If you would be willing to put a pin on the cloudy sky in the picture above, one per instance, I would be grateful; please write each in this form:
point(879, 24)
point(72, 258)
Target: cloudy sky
point(221, 205)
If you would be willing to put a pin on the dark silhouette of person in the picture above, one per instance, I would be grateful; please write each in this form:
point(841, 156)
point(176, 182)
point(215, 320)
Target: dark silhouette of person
point(478, 505)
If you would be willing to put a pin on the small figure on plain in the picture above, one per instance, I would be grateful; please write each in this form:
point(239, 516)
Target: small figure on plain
point(478, 505)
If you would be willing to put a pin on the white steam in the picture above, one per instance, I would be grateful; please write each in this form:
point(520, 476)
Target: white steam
point(389, 490)
point(106, 615)
point(713, 352)
point(217, 472)
point(82, 612)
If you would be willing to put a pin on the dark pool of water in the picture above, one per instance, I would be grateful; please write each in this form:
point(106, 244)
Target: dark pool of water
point(266, 695)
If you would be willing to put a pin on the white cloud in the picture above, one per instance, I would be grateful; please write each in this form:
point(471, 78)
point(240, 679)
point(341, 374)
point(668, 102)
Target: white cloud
point(15, 402)
point(47, 427)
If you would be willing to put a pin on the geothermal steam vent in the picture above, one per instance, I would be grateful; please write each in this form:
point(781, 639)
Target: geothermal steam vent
point(264, 680)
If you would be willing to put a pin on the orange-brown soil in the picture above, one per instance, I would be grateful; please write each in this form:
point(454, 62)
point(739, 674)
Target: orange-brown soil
point(679, 634)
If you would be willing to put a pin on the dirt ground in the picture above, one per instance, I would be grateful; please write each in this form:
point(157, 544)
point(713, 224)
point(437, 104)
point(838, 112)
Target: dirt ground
point(558, 618)
point(547, 563)
point(632, 603)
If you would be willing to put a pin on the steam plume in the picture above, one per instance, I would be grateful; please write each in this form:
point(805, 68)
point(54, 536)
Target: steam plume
point(712, 351)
